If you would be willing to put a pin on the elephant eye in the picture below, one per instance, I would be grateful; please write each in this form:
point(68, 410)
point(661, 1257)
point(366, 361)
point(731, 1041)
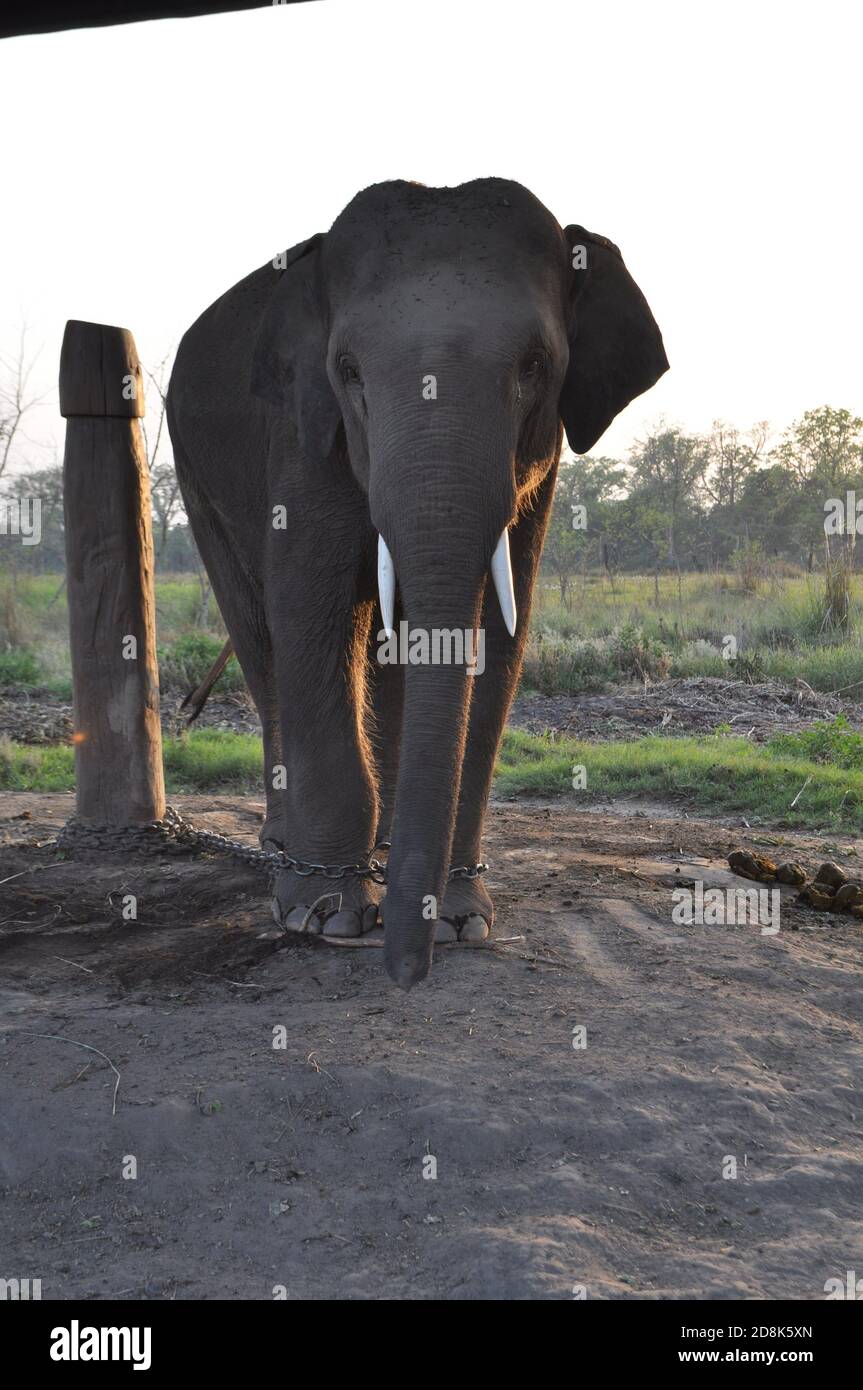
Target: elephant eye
point(533, 365)
point(349, 371)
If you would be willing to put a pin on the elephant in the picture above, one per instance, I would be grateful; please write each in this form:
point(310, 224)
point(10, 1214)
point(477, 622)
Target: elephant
point(366, 432)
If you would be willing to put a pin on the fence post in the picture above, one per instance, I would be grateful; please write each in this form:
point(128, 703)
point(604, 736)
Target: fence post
point(109, 569)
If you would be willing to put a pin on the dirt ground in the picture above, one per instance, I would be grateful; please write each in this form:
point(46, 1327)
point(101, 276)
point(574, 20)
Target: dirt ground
point(689, 705)
point(302, 1166)
point(692, 705)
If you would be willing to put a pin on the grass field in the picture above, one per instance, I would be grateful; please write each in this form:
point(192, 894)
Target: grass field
point(608, 634)
point(614, 633)
point(715, 774)
point(34, 636)
point(205, 760)
point(822, 768)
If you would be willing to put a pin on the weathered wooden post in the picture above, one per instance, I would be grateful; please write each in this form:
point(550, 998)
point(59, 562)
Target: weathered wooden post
point(109, 569)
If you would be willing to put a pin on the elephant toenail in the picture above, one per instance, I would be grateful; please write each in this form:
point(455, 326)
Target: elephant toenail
point(301, 919)
point(474, 928)
point(445, 931)
point(346, 923)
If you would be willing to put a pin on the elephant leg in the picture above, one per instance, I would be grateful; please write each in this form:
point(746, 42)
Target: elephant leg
point(326, 777)
point(242, 608)
point(467, 911)
point(385, 709)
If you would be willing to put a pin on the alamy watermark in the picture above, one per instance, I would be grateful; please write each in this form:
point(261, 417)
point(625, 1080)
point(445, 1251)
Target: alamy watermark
point(77, 1343)
point(843, 518)
point(21, 516)
point(437, 646)
point(850, 1287)
point(20, 1290)
point(720, 907)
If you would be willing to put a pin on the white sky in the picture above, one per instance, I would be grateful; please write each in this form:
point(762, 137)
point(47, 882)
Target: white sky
point(148, 167)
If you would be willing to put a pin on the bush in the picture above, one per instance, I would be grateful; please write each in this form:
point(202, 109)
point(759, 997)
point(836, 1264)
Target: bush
point(749, 566)
point(833, 743)
point(18, 667)
point(748, 667)
point(555, 666)
point(635, 654)
point(184, 664)
point(60, 688)
point(700, 658)
point(11, 627)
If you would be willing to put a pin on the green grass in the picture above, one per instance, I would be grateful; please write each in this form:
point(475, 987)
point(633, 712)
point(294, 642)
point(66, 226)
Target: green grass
point(557, 665)
point(18, 667)
point(210, 759)
point(34, 621)
point(714, 773)
point(607, 635)
point(833, 743)
point(36, 769)
point(185, 663)
point(205, 760)
point(717, 773)
point(783, 610)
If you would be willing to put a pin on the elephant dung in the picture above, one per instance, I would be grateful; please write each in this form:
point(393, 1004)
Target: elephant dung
point(830, 877)
point(792, 873)
point(810, 895)
point(849, 896)
point(754, 866)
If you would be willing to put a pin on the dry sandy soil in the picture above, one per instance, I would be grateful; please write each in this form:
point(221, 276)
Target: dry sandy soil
point(303, 1166)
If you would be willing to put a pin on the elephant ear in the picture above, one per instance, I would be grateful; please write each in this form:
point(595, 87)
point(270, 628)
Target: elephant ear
point(289, 367)
point(615, 346)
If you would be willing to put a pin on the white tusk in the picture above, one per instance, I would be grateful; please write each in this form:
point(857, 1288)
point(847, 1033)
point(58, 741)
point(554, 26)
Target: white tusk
point(501, 573)
point(386, 585)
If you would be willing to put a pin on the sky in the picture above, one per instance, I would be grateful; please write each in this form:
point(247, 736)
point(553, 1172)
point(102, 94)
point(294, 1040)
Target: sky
point(148, 167)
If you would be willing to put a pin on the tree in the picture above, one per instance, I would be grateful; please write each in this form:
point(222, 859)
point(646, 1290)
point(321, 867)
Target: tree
point(16, 398)
point(585, 488)
point(824, 449)
point(164, 487)
point(732, 455)
point(668, 470)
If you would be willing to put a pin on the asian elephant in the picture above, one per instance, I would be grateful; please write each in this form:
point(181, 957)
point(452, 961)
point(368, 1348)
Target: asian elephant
point(366, 431)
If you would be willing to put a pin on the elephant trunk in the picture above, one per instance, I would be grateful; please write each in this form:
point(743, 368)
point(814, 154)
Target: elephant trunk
point(437, 699)
point(443, 529)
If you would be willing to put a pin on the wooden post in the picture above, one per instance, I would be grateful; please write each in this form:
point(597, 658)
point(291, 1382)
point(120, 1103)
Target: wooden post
point(109, 570)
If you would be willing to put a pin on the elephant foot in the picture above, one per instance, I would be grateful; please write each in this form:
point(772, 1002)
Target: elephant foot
point(321, 906)
point(467, 912)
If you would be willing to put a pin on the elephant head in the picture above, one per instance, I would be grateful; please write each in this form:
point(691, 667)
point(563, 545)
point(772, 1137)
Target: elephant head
point(439, 338)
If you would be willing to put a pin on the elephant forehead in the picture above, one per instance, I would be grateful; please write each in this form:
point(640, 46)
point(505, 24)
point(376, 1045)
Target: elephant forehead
point(393, 230)
point(449, 307)
point(481, 202)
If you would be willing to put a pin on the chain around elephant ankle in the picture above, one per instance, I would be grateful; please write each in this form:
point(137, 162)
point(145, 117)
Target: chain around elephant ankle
point(463, 871)
point(174, 829)
point(468, 871)
point(372, 868)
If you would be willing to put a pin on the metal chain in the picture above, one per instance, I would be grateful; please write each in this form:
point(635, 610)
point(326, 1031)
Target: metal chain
point(175, 834)
point(467, 871)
